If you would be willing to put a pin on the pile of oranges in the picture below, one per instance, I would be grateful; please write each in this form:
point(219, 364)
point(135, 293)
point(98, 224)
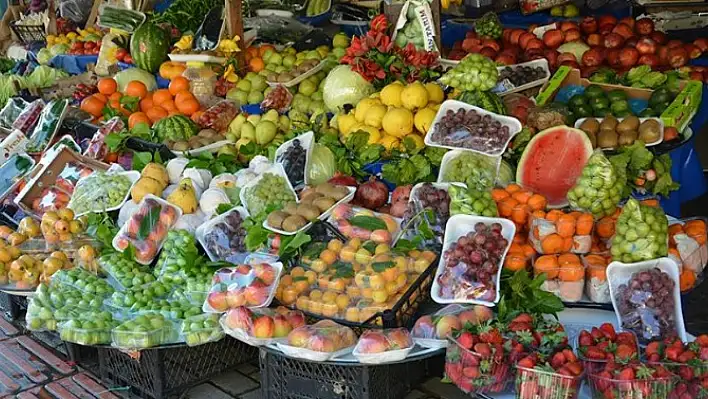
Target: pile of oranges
point(152, 106)
point(254, 57)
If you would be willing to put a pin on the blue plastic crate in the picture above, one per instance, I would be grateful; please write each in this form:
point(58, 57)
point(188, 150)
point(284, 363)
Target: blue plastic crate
point(252, 109)
point(316, 20)
point(374, 169)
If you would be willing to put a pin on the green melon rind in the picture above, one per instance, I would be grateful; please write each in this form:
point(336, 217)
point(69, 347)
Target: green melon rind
point(149, 46)
point(533, 142)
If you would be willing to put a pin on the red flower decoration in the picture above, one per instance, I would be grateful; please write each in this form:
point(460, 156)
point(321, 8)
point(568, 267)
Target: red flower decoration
point(379, 23)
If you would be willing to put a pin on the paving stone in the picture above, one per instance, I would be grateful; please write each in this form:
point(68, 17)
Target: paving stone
point(255, 394)
point(443, 390)
point(7, 329)
point(234, 383)
point(91, 384)
point(13, 356)
point(416, 394)
point(45, 355)
point(206, 391)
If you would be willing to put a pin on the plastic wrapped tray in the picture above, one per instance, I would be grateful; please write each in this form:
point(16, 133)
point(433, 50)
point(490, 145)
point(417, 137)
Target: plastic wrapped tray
point(308, 354)
point(132, 175)
point(512, 123)
point(543, 63)
point(208, 226)
point(457, 226)
point(276, 169)
point(307, 141)
point(451, 155)
point(233, 280)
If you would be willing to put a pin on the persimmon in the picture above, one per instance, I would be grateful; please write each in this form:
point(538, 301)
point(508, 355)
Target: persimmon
point(156, 113)
point(567, 244)
point(115, 96)
point(583, 225)
point(565, 226)
point(605, 227)
point(571, 272)
point(188, 107)
point(506, 207)
point(546, 264)
point(515, 248)
point(178, 84)
point(107, 86)
point(537, 202)
point(136, 88)
point(170, 69)
point(92, 105)
point(252, 51)
point(256, 64)
point(184, 95)
point(514, 262)
point(529, 252)
point(568, 259)
point(168, 105)
point(554, 214)
point(102, 97)
point(522, 196)
point(160, 96)
point(138, 117)
point(520, 213)
point(552, 244)
point(146, 104)
point(696, 225)
point(687, 279)
point(519, 239)
point(499, 194)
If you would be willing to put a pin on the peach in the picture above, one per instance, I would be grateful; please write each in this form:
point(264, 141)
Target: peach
point(243, 269)
point(468, 316)
point(263, 327)
point(265, 272)
point(400, 338)
point(168, 216)
point(282, 326)
point(217, 300)
point(239, 318)
point(373, 342)
point(299, 337)
point(483, 313)
point(321, 344)
point(256, 295)
point(445, 325)
point(295, 318)
point(424, 327)
point(235, 298)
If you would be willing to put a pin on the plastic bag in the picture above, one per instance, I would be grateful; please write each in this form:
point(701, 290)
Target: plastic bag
point(97, 148)
point(219, 116)
point(641, 233)
point(475, 170)
point(76, 11)
point(274, 29)
point(278, 99)
point(71, 174)
point(422, 224)
point(597, 288)
point(464, 201)
point(646, 298)
point(269, 188)
point(100, 191)
point(565, 275)
point(49, 123)
point(144, 331)
point(414, 25)
point(261, 326)
point(323, 336)
point(599, 187)
point(245, 285)
point(89, 328)
point(12, 111)
point(209, 32)
point(26, 121)
point(383, 346)
point(431, 331)
point(559, 232)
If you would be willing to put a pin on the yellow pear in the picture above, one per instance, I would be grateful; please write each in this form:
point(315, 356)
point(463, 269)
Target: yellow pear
point(435, 93)
point(375, 115)
point(414, 96)
point(423, 119)
point(363, 107)
point(391, 94)
point(398, 122)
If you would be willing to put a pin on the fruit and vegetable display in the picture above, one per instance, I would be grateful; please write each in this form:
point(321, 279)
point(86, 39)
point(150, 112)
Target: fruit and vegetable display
point(685, 360)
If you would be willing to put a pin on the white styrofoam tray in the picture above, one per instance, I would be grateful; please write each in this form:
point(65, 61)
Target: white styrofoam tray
point(512, 123)
point(451, 155)
point(542, 63)
point(458, 226)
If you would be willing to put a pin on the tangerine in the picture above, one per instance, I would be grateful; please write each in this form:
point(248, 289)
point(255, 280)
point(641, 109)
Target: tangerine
point(138, 117)
point(136, 88)
point(178, 84)
point(92, 105)
point(156, 113)
point(256, 64)
point(189, 107)
point(546, 264)
point(160, 96)
point(107, 86)
point(146, 104)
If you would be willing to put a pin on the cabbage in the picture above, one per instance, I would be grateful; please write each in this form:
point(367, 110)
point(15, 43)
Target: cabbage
point(578, 48)
point(126, 76)
point(322, 165)
point(43, 76)
point(44, 56)
point(59, 49)
point(344, 86)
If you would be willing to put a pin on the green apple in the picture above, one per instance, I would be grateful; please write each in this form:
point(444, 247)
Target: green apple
point(255, 97)
point(276, 59)
point(280, 68)
point(289, 60)
point(340, 40)
point(307, 87)
point(248, 131)
point(244, 85)
point(250, 75)
point(254, 119)
point(316, 96)
point(259, 83)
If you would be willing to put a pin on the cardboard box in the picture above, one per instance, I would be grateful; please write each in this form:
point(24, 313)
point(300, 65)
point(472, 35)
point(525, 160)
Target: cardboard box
point(678, 114)
point(45, 175)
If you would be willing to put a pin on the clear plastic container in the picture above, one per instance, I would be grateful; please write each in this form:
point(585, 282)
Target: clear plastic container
point(539, 384)
point(652, 388)
point(560, 232)
point(262, 326)
point(201, 329)
point(383, 346)
point(202, 80)
point(244, 285)
point(86, 332)
point(144, 331)
point(565, 275)
point(493, 378)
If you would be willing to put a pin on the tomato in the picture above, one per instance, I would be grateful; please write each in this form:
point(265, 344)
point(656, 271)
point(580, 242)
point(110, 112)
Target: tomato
point(89, 45)
point(128, 59)
point(121, 53)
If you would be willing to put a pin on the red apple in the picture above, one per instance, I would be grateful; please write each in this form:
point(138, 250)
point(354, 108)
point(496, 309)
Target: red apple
point(235, 298)
point(606, 28)
point(623, 30)
point(568, 25)
point(644, 26)
point(505, 59)
point(572, 35)
point(629, 21)
point(628, 57)
point(551, 56)
point(588, 25)
point(674, 43)
point(515, 35)
point(594, 40)
point(525, 39)
point(659, 37)
point(553, 38)
point(631, 42)
point(607, 19)
point(534, 43)
point(701, 43)
point(614, 40)
point(646, 46)
point(693, 51)
point(217, 300)
point(678, 57)
point(663, 54)
point(593, 57)
point(488, 52)
point(613, 57)
point(648, 59)
point(281, 326)
point(263, 327)
point(564, 57)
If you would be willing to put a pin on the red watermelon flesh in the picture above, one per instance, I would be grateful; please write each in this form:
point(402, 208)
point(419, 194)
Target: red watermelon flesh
point(553, 161)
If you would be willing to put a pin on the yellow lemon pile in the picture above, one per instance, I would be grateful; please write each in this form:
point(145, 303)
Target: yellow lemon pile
point(396, 113)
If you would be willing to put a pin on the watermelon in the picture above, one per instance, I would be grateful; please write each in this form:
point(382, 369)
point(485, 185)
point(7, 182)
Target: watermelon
point(175, 128)
point(552, 162)
point(149, 46)
point(483, 99)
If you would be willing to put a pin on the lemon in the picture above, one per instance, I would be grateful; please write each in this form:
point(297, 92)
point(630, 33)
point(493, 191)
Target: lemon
point(423, 119)
point(398, 121)
point(435, 93)
point(72, 35)
point(391, 94)
point(345, 123)
point(414, 96)
point(375, 115)
point(389, 142)
point(363, 107)
point(374, 134)
point(413, 142)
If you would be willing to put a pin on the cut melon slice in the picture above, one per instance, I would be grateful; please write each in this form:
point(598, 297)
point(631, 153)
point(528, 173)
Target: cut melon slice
point(552, 162)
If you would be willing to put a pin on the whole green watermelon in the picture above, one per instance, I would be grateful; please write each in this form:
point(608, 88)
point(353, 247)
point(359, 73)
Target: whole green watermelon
point(149, 46)
point(483, 99)
point(175, 128)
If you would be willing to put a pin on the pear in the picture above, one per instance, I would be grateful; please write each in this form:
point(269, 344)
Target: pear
point(184, 197)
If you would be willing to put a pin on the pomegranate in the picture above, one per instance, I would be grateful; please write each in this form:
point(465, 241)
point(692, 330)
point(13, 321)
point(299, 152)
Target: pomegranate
point(589, 25)
point(701, 43)
point(568, 25)
point(525, 39)
point(515, 35)
point(606, 28)
point(629, 21)
point(341, 179)
point(646, 46)
point(693, 51)
point(674, 43)
point(594, 40)
point(613, 57)
point(607, 19)
point(628, 57)
point(614, 40)
point(572, 35)
point(644, 26)
point(659, 37)
point(491, 43)
point(678, 57)
point(593, 57)
point(488, 52)
point(648, 59)
point(551, 56)
point(373, 194)
point(505, 59)
point(553, 38)
point(623, 30)
point(534, 43)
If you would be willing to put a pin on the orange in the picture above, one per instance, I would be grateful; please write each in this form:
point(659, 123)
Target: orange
point(506, 207)
point(514, 262)
point(528, 251)
point(256, 64)
point(499, 194)
point(101, 97)
point(606, 227)
point(252, 51)
point(195, 116)
point(512, 188)
point(146, 104)
point(184, 95)
point(160, 96)
point(565, 226)
point(178, 84)
point(697, 224)
point(546, 264)
point(115, 96)
point(92, 105)
point(522, 196)
point(136, 88)
point(519, 213)
point(553, 215)
point(138, 117)
point(552, 244)
point(174, 112)
point(676, 228)
point(583, 226)
point(568, 259)
point(567, 244)
point(189, 107)
point(537, 202)
point(156, 113)
point(168, 105)
point(515, 248)
point(107, 86)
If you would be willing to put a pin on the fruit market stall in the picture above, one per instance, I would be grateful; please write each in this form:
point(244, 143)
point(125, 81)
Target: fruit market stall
point(361, 211)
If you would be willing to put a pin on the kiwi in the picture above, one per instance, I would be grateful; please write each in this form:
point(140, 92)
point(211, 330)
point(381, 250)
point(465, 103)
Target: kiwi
point(309, 197)
point(284, 77)
point(590, 125)
point(308, 211)
point(609, 123)
point(324, 203)
point(180, 146)
point(205, 141)
point(275, 219)
point(207, 133)
point(627, 138)
point(324, 187)
point(649, 131)
point(339, 192)
point(607, 139)
point(628, 124)
point(293, 223)
point(272, 77)
point(290, 208)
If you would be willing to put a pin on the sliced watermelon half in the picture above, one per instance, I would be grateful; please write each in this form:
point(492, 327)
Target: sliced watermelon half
point(552, 162)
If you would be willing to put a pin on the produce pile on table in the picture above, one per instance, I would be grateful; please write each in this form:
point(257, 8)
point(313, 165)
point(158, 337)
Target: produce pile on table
point(315, 198)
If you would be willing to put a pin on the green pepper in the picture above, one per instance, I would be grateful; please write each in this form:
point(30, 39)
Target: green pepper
point(583, 111)
point(577, 100)
point(619, 106)
point(616, 95)
point(599, 103)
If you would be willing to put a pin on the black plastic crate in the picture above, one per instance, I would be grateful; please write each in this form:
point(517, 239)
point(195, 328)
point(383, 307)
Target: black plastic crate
point(29, 33)
point(164, 371)
point(84, 356)
point(287, 378)
point(14, 306)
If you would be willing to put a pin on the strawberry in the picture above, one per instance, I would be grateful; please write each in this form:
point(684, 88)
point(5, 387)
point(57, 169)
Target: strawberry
point(627, 338)
point(466, 340)
point(490, 335)
point(569, 355)
point(608, 330)
point(704, 353)
point(585, 339)
point(596, 334)
point(557, 360)
point(604, 346)
point(673, 353)
point(483, 350)
point(626, 374)
point(516, 326)
point(453, 371)
point(575, 367)
point(654, 347)
point(702, 340)
point(564, 371)
point(523, 318)
point(593, 353)
point(624, 353)
point(528, 362)
point(686, 356)
point(686, 373)
point(471, 372)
